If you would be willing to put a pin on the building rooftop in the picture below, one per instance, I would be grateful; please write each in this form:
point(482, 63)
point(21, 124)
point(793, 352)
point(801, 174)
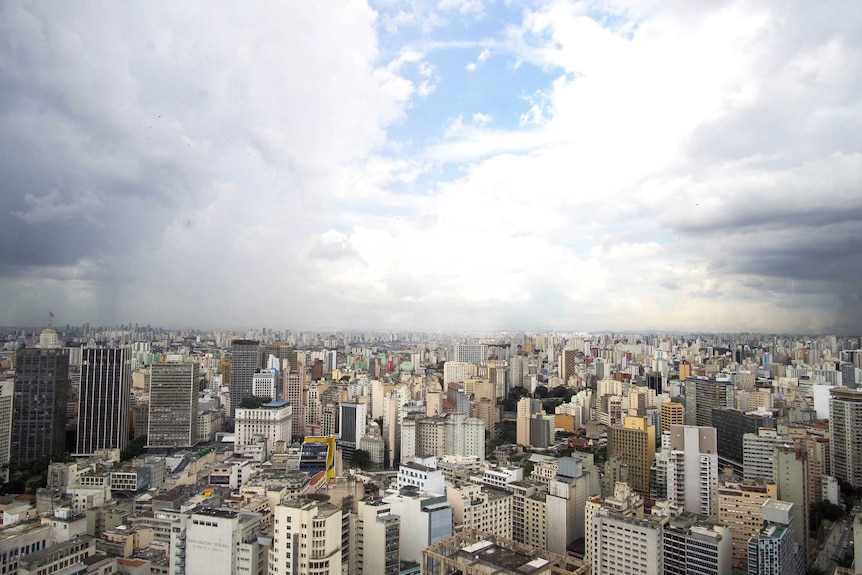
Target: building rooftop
point(490, 554)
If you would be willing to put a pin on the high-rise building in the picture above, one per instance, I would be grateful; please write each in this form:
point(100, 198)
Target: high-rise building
point(425, 520)
point(173, 413)
point(688, 468)
point(740, 508)
point(272, 421)
point(480, 508)
point(7, 389)
point(568, 364)
point(709, 394)
point(39, 406)
point(731, 426)
point(294, 392)
point(351, 423)
point(307, 538)
point(471, 353)
point(567, 497)
point(625, 545)
point(845, 429)
point(774, 551)
point(458, 371)
point(758, 451)
point(634, 443)
point(527, 407)
point(377, 538)
point(244, 362)
point(790, 473)
point(694, 546)
point(210, 541)
point(104, 400)
point(672, 413)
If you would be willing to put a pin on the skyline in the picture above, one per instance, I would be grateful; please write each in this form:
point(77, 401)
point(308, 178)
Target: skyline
point(463, 166)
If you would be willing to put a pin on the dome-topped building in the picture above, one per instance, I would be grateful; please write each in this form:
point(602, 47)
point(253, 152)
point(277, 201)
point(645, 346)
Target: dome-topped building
point(48, 339)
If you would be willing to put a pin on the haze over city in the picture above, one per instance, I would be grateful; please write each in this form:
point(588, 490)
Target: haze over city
point(459, 165)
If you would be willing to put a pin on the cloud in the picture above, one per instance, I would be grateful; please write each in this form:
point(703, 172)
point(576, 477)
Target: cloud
point(637, 165)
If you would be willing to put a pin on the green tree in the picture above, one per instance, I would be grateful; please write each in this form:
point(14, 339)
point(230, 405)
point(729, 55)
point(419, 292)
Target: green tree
point(360, 459)
point(253, 402)
point(541, 392)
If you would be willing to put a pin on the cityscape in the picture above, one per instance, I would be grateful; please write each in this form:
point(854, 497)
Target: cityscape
point(430, 287)
point(136, 449)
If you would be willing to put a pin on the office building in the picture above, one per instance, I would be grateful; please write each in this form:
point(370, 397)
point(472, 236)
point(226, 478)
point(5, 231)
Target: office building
point(458, 371)
point(740, 508)
point(774, 551)
point(244, 362)
point(39, 405)
point(470, 353)
point(307, 538)
point(672, 413)
point(692, 545)
point(425, 520)
point(272, 421)
point(351, 423)
point(104, 401)
point(378, 532)
point(295, 393)
point(634, 444)
point(480, 508)
point(565, 501)
point(845, 429)
point(173, 412)
point(709, 394)
point(625, 545)
point(757, 453)
point(451, 434)
point(264, 383)
point(731, 426)
point(527, 407)
point(19, 541)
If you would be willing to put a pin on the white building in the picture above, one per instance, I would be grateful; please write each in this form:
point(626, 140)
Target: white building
point(481, 508)
point(209, 541)
point(6, 394)
point(622, 545)
point(450, 434)
point(758, 452)
point(307, 538)
point(458, 371)
point(272, 420)
point(425, 520)
point(566, 500)
point(476, 353)
point(423, 475)
point(264, 383)
point(686, 469)
point(378, 532)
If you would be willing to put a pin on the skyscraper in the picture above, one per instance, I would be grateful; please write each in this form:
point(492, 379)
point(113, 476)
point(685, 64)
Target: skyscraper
point(173, 416)
point(104, 400)
point(244, 361)
point(39, 404)
point(688, 464)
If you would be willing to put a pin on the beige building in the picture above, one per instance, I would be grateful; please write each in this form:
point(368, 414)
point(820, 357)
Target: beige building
point(672, 413)
point(634, 443)
point(481, 508)
point(739, 508)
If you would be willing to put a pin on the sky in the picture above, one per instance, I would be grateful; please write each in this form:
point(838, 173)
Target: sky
point(419, 165)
